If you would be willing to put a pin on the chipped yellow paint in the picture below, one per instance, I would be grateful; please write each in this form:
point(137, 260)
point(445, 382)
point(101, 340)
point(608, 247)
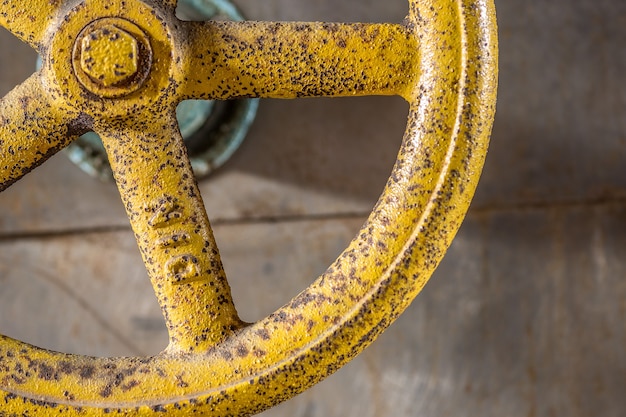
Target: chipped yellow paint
point(442, 59)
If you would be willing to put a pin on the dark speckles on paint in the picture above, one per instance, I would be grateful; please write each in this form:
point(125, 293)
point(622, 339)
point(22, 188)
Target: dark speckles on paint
point(180, 381)
point(242, 351)
point(48, 372)
point(226, 354)
point(307, 298)
point(106, 392)
point(129, 385)
point(278, 317)
point(263, 334)
point(259, 353)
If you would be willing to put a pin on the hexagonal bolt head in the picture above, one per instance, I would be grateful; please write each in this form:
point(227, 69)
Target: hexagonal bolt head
point(109, 55)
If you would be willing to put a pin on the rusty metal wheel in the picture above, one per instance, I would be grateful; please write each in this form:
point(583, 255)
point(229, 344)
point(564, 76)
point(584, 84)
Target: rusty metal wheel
point(120, 67)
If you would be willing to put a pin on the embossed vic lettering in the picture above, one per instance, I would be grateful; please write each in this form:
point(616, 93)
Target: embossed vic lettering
point(167, 212)
point(179, 268)
point(175, 240)
point(183, 269)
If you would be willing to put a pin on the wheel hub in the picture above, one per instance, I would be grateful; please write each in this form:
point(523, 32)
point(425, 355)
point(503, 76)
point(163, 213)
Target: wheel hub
point(114, 60)
point(212, 130)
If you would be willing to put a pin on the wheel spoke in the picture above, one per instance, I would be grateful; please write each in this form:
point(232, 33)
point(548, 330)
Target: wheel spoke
point(31, 130)
point(288, 60)
point(159, 191)
point(29, 20)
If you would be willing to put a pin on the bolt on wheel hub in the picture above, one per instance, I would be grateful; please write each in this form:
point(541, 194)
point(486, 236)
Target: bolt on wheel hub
point(212, 130)
point(112, 57)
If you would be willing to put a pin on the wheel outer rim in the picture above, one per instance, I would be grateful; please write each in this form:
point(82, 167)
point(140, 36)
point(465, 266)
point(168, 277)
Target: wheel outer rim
point(340, 314)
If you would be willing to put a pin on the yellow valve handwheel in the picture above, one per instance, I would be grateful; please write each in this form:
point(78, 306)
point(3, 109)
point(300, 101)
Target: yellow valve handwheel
point(120, 67)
